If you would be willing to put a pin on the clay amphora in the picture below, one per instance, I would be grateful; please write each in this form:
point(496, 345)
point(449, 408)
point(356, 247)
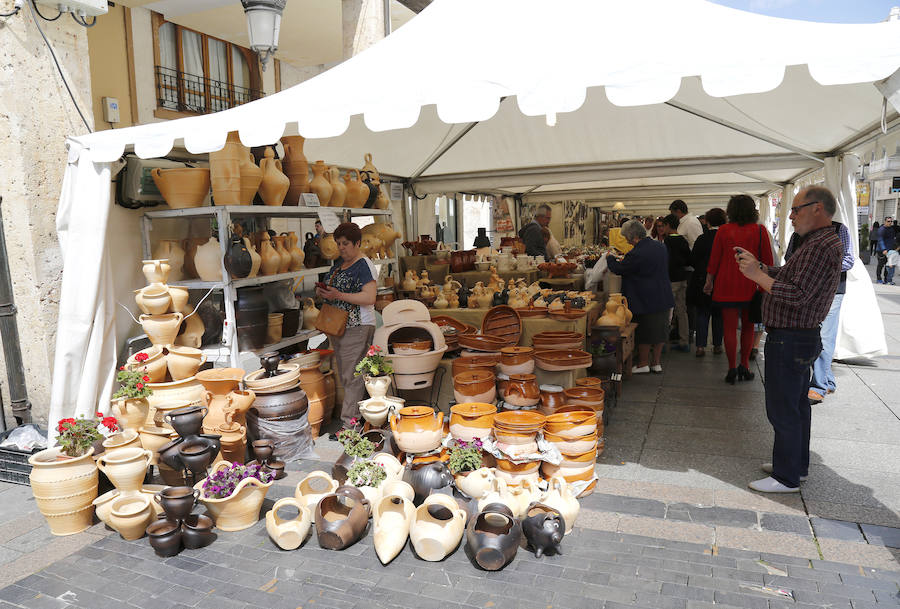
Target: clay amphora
point(296, 252)
point(64, 489)
point(340, 521)
point(338, 188)
point(171, 250)
point(238, 261)
point(313, 488)
point(208, 261)
point(283, 252)
point(329, 247)
point(437, 527)
point(161, 329)
point(392, 517)
point(251, 177)
point(131, 413)
point(125, 467)
point(255, 258)
point(320, 184)
point(544, 528)
point(493, 537)
point(288, 534)
point(225, 171)
point(360, 191)
point(275, 185)
point(271, 259)
point(130, 515)
point(560, 498)
point(165, 537)
point(295, 167)
point(352, 195)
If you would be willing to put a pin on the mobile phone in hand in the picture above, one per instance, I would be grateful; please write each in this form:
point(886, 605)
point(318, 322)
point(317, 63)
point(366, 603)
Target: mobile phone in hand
point(321, 285)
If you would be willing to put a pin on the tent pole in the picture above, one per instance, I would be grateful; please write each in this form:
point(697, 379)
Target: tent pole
point(720, 121)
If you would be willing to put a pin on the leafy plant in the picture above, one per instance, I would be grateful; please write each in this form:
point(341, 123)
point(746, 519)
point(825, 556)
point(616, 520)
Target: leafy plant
point(133, 381)
point(355, 445)
point(221, 483)
point(77, 435)
point(465, 456)
point(863, 238)
point(374, 364)
point(366, 473)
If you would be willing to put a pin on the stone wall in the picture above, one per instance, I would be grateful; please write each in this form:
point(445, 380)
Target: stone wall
point(37, 113)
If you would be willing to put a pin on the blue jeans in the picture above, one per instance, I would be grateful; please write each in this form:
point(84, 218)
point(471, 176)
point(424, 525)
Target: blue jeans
point(701, 324)
point(789, 356)
point(889, 273)
point(823, 377)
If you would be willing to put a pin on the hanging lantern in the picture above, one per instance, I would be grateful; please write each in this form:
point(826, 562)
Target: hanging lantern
point(263, 24)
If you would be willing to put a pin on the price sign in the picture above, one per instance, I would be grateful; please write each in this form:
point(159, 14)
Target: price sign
point(396, 191)
point(309, 199)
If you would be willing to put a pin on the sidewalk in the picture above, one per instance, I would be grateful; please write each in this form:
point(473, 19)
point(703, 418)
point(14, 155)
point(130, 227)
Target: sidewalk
point(671, 525)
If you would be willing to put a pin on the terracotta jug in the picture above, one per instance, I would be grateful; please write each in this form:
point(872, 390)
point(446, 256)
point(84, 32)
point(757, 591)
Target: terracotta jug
point(283, 252)
point(274, 186)
point(251, 177)
point(256, 259)
point(320, 184)
point(171, 250)
point(271, 259)
point(310, 314)
point(361, 191)
point(296, 252)
point(621, 300)
point(382, 202)
point(238, 261)
point(560, 498)
point(208, 261)
point(225, 171)
point(295, 167)
point(369, 169)
point(339, 189)
point(351, 196)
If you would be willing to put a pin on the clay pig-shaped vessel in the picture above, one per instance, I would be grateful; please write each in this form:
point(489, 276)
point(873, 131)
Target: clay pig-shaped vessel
point(544, 529)
point(427, 478)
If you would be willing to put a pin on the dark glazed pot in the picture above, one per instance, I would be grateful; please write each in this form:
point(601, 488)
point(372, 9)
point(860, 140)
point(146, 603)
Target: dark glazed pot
point(340, 521)
point(544, 528)
point(427, 478)
point(493, 537)
point(263, 449)
point(196, 456)
point(290, 323)
point(196, 531)
point(312, 253)
point(348, 490)
point(282, 405)
point(237, 259)
point(187, 421)
point(252, 337)
point(177, 501)
point(463, 295)
point(165, 537)
point(168, 454)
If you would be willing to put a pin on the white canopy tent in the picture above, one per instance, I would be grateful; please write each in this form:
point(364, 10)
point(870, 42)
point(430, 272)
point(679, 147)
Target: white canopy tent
point(574, 98)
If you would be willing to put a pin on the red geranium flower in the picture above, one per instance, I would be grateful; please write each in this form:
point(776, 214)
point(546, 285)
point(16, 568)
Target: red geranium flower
point(139, 385)
point(141, 357)
point(146, 379)
point(121, 367)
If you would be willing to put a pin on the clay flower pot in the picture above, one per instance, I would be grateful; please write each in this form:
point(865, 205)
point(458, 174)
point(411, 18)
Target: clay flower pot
point(177, 501)
point(288, 534)
point(377, 386)
point(392, 517)
point(64, 489)
point(240, 510)
point(340, 521)
point(125, 468)
point(154, 366)
point(182, 188)
point(130, 412)
point(127, 438)
point(165, 537)
point(162, 329)
point(130, 515)
point(493, 537)
point(475, 386)
point(437, 527)
point(196, 531)
point(471, 420)
point(183, 362)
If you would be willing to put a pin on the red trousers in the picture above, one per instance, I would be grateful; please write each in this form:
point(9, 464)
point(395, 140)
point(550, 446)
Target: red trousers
point(730, 323)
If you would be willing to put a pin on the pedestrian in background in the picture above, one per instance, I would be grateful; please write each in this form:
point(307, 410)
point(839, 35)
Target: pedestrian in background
point(679, 260)
point(893, 259)
point(887, 240)
point(702, 302)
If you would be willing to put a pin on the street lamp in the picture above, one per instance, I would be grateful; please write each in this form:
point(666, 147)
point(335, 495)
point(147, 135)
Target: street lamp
point(263, 23)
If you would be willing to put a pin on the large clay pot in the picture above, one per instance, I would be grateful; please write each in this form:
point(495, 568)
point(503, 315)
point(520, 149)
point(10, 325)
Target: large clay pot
point(64, 489)
point(320, 184)
point(130, 515)
point(475, 386)
point(338, 188)
point(180, 296)
point(167, 396)
point(271, 259)
point(162, 329)
point(470, 420)
point(182, 187)
point(165, 538)
point(417, 429)
point(285, 264)
point(208, 261)
point(493, 537)
point(131, 412)
point(522, 390)
point(288, 534)
point(275, 184)
point(225, 171)
point(171, 250)
point(329, 247)
point(340, 521)
point(437, 527)
point(251, 178)
point(295, 167)
point(183, 362)
point(219, 383)
point(240, 510)
point(392, 517)
point(153, 438)
point(296, 252)
point(125, 467)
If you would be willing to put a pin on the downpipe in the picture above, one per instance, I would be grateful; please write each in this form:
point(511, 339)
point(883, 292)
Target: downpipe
point(9, 334)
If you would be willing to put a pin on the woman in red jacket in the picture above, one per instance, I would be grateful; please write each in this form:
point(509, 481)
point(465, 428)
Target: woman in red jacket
point(730, 290)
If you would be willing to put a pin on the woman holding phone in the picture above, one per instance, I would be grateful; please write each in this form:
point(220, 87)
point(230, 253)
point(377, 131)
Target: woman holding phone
point(350, 285)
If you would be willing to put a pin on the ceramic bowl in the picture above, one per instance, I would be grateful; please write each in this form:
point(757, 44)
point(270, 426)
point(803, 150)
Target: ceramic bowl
point(572, 446)
point(411, 347)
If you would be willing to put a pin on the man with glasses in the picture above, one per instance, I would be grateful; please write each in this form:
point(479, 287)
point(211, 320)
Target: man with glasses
point(887, 241)
point(796, 301)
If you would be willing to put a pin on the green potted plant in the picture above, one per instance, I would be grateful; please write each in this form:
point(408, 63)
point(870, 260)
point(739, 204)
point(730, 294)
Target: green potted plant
point(129, 403)
point(366, 475)
point(465, 460)
point(376, 370)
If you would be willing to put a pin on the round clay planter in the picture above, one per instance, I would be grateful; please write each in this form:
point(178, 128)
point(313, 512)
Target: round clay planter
point(475, 386)
point(154, 366)
point(130, 515)
point(471, 420)
point(103, 503)
point(184, 362)
point(125, 468)
point(240, 510)
point(177, 501)
point(165, 537)
point(377, 386)
point(131, 413)
point(182, 187)
point(522, 390)
point(64, 489)
point(153, 299)
point(417, 429)
point(125, 439)
point(196, 531)
point(162, 329)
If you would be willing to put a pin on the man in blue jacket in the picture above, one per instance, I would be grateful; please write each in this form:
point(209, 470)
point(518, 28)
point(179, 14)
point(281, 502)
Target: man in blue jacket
point(887, 240)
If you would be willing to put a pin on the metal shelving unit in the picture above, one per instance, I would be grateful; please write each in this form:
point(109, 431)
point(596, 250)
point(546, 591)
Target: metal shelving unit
point(223, 215)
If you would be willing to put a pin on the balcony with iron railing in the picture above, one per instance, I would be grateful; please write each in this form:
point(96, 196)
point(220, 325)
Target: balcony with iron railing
point(183, 92)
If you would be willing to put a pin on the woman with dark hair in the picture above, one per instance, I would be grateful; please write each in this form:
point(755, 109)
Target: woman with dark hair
point(730, 290)
point(873, 238)
point(350, 285)
point(701, 302)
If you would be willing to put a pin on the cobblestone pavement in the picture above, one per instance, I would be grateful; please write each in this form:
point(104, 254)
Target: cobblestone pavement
point(670, 526)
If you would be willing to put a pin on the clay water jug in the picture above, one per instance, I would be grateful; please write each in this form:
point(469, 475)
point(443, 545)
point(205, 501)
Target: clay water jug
point(237, 259)
point(171, 250)
point(208, 261)
point(295, 167)
point(274, 186)
point(621, 300)
point(369, 169)
point(339, 189)
point(296, 252)
point(255, 258)
point(320, 184)
point(271, 259)
point(352, 195)
point(361, 192)
point(283, 252)
point(225, 171)
point(382, 202)
point(329, 247)
point(251, 178)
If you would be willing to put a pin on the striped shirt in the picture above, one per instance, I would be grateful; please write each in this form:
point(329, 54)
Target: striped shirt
point(804, 287)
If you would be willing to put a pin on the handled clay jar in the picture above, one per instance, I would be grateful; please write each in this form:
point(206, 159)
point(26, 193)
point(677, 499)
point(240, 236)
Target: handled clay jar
point(417, 429)
point(522, 390)
point(516, 360)
point(475, 386)
point(472, 420)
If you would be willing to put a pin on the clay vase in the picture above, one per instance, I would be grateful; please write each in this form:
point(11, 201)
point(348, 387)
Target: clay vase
point(522, 390)
point(313, 488)
point(225, 171)
point(125, 468)
point(296, 252)
point(283, 252)
point(130, 515)
point(493, 537)
point(338, 188)
point(392, 517)
point(544, 528)
point(295, 167)
point(320, 184)
point(340, 521)
point(437, 527)
point(251, 178)
point(329, 247)
point(196, 531)
point(255, 258)
point(171, 250)
point(130, 412)
point(238, 261)
point(208, 261)
point(275, 185)
point(360, 191)
point(621, 300)
point(155, 271)
point(288, 534)
point(177, 501)
point(64, 489)
point(218, 383)
point(165, 538)
point(271, 259)
point(240, 510)
point(161, 329)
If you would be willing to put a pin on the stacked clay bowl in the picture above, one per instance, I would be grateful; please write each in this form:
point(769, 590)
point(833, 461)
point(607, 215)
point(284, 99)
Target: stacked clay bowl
point(575, 433)
point(472, 420)
point(573, 468)
point(516, 360)
point(483, 342)
point(557, 339)
point(589, 381)
point(561, 359)
point(590, 397)
point(516, 434)
point(475, 386)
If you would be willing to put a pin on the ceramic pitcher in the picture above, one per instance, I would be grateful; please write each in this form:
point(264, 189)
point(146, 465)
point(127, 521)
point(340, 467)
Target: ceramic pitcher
point(275, 185)
point(225, 171)
point(339, 189)
point(171, 250)
point(320, 184)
